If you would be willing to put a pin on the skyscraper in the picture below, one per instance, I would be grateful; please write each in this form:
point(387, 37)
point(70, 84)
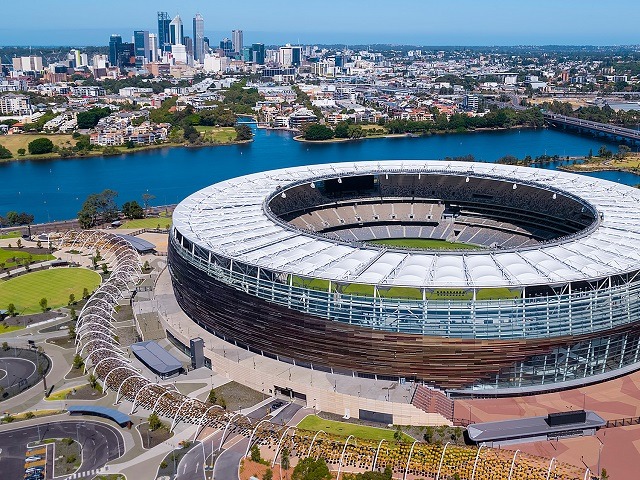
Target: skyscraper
point(176, 31)
point(238, 40)
point(163, 31)
point(226, 45)
point(290, 56)
point(257, 52)
point(198, 37)
point(142, 46)
point(115, 43)
point(153, 47)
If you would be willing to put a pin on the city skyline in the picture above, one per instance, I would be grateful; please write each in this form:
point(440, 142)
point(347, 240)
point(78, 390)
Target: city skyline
point(410, 22)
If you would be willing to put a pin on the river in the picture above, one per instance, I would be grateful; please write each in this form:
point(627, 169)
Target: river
point(55, 189)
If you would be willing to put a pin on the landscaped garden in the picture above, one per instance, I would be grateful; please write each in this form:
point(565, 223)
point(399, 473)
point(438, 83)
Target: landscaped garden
point(26, 292)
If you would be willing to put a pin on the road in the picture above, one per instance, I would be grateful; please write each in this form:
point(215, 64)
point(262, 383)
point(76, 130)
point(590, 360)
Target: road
point(226, 466)
point(100, 443)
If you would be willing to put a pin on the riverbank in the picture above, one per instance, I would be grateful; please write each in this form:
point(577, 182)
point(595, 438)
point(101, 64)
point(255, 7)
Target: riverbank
point(628, 164)
point(121, 150)
point(300, 138)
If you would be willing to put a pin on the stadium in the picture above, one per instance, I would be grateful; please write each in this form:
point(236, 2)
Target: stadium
point(476, 278)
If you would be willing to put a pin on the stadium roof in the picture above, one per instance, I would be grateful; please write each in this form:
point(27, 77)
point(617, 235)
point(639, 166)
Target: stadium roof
point(142, 246)
point(156, 358)
point(229, 219)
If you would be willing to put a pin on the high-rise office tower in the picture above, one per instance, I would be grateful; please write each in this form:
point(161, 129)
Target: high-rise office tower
point(188, 45)
point(238, 40)
point(142, 46)
point(176, 31)
point(153, 47)
point(290, 56)
point(115, 43)
point(257, 52)
point(226, 45)
point(163, 31)
point(198, 37)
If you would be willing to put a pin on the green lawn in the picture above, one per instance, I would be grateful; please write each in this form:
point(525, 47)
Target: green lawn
point(217, 134)
point(8, 257)
point(6, 328)
point(55, 285)
point(15, 142)
point(151, 222)
point(315, 423)
point(15, 234)
point(424, 243)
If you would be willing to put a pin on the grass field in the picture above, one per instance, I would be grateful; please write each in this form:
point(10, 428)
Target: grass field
point(15, 234)
point(424, 243)
point(217, 134)
point(15, 142)
point(315, 423)
point(9, 328)
point(8, 257)
point(55, 285)
point(151, 222)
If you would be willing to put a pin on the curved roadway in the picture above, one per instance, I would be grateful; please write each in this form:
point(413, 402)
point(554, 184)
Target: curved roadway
point(101, 443)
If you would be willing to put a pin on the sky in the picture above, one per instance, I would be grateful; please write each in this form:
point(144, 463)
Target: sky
point(416, 22)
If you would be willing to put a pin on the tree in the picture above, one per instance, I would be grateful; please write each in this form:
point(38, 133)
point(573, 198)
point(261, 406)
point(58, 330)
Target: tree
point(90, 118)
point(154, 422)
point(72, 299)
point(11, 309)
point(43, 304)
point(213, 397)
point(72, 314)
point(285, 460)
point(98, 207)
point(72, 332)
point(268, 474)
point(190, 133)
point(21, 151)
point(105, 268)
point(85, 293)
point(77, 362)
point(255, 454)
point(243, 133)
point(40, 146)
point(5, 152)
point(604, 152)
point(93, 381)
point(315, 131)
point(311, 469)
point(397, 435)
point(146, 198)
point(342, 130)
point(132, 210)
point(19, 243)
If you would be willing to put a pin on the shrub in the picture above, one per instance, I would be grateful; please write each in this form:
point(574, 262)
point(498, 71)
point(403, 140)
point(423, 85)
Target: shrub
point(29, 415)
point(5, 152)
point(71, 458)
point(163, 465)
point(255, 454)
point(154, 422)
point(40, 146)
point(21, 151)
point(268, 474)
point(44, 304)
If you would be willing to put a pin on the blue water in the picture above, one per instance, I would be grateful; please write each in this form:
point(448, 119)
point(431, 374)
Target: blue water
point(55, 189)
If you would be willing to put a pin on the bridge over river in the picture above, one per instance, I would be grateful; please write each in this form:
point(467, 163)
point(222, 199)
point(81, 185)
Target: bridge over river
point(614, 131)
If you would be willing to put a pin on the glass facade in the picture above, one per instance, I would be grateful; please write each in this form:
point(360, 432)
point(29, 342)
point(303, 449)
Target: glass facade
point(588, 308)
